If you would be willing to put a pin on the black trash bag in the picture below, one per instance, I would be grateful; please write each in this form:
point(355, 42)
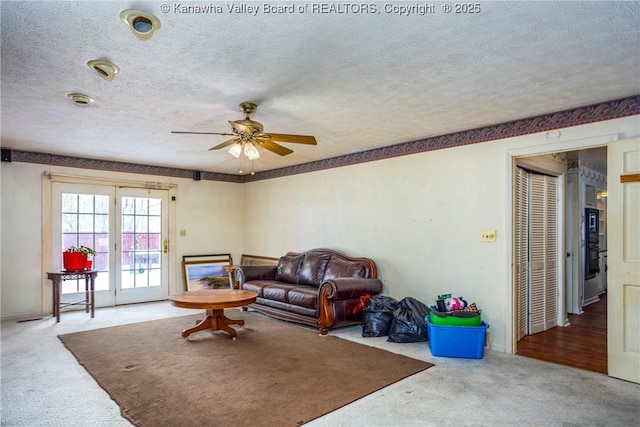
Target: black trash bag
point(377, 316)
point(409, 322)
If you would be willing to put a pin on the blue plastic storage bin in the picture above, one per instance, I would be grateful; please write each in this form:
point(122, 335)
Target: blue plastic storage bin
point(457, 341)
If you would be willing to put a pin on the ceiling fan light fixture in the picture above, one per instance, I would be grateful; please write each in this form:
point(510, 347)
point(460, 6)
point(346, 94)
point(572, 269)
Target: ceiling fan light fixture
point(105, 69)
point(141, 24)
point(236, 150)
point(251, 151)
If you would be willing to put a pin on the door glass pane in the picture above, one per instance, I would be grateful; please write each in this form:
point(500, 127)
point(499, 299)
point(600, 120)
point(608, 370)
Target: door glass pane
point(141, 235)
point(69, 203)
point(86, 203)
point(128, 224)
point(155, 224)
point(142, 224)
point(101, 224)
point(69, 222)
point(85, 222)
point(102, 205)
point(127, 205)
point(155, 207)
point(142, 205)
point(155, 275)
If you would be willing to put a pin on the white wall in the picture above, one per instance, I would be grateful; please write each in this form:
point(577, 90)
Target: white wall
point(208, 211)
point(20, 270)
point(419, 217)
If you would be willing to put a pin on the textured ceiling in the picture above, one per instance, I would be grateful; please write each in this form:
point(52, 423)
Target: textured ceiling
point(355, 81)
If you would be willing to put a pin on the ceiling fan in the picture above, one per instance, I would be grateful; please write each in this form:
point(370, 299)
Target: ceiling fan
point(248, 135)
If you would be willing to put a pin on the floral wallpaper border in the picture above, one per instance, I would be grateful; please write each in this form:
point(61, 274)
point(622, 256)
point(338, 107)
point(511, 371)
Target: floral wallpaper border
point(624, 107)
point(107, 165)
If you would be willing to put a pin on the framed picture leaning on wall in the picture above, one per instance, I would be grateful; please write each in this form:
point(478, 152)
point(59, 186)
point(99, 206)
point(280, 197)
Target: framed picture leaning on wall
point(205, 271)
point(258, 260)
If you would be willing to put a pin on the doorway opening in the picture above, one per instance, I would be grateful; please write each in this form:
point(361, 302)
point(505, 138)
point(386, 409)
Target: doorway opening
point(582, 341)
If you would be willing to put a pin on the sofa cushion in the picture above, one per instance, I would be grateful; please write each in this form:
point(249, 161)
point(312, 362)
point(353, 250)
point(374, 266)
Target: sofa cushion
point(277, 292)
point(258, 285)
point(303, 296)
point(312, 269)
point(338, 267)
point(288, 267)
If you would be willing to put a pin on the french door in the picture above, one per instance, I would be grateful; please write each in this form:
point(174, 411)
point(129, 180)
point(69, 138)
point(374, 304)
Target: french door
point(128, 229)
point(142, 245)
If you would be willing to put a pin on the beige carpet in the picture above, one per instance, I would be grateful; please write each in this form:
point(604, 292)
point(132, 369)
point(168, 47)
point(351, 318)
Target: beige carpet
point(273, 374)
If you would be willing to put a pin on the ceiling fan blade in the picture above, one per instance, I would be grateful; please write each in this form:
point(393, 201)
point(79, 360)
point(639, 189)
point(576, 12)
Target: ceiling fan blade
point(272, 146)
point(225, 144)
point(294, 139)
point(203, 133)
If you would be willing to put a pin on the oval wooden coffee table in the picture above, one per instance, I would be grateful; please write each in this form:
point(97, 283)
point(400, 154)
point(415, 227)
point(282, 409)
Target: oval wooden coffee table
point(214, 301)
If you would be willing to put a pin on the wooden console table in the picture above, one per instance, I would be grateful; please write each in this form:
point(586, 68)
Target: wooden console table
point(89, 277)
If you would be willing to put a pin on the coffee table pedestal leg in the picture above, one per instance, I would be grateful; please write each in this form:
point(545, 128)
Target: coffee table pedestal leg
point(215, 320)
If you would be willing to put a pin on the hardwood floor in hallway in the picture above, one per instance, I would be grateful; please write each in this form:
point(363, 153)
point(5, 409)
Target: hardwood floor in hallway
point(581, 345)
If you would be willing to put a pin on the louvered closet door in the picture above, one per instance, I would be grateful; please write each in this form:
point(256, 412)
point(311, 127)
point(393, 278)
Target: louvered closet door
point(551, 253)
point(521, 251)
point(543, 252)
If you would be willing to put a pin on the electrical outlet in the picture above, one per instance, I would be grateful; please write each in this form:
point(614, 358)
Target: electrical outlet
point(487, 339)
point(488, 236)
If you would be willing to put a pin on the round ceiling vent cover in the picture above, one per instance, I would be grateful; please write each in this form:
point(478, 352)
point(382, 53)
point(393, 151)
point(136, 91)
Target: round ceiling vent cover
point(80, 99)
point(105, 69)
point(142, 24)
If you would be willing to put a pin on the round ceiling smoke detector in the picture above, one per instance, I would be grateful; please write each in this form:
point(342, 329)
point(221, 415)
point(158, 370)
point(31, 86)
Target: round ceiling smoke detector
point(142, 24)
point(105, 69)
point(80, 99)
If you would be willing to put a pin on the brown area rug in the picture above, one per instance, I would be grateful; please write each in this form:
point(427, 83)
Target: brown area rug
point(273, 374)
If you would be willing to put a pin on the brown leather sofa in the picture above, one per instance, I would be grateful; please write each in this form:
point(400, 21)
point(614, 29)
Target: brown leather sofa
point(319, 287)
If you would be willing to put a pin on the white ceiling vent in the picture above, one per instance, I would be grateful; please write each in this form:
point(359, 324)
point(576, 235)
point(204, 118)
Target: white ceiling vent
point(105, 69)
point(80, 99)
point(142, 24)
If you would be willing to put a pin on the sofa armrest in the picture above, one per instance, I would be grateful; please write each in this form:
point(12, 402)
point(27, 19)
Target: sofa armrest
point(350, 287)
point(246, 273)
